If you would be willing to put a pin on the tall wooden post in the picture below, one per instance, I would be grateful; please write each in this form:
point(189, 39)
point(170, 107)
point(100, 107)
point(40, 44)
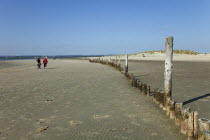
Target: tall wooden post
point(168, 67)
point(126, 63)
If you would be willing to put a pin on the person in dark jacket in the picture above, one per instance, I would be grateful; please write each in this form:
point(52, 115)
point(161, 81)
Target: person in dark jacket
point(45, 61)
point(38, 60)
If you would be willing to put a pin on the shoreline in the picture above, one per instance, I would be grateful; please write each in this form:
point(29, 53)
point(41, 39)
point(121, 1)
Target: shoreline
point(160, 57)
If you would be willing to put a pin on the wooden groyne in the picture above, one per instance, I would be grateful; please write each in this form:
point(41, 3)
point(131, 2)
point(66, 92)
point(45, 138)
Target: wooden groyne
point(190, 124)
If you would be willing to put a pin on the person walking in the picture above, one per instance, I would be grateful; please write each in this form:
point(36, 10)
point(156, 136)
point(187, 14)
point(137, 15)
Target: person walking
point(45, 61)
point(38, 60)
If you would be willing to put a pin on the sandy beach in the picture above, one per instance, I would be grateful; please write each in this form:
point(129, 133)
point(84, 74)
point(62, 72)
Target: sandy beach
point(75, 99)
point(190, 81)
point(176, 57)
point(191, 77)
point(161, 57)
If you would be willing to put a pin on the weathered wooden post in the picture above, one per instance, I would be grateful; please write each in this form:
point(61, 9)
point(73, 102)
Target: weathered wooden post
point(119, 66)
point(195, 119)
point(207, 135)
point(168, 99)
point(168, 68)
point(148, 90)
point(203, 125)
point(126, 63)
point(178, 113)
point(172, 109)
point(115, 59)
point(185, 116)
point(190, 126)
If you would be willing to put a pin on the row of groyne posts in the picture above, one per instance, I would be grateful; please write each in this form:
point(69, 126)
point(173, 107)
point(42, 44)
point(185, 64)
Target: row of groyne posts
point(191, 125)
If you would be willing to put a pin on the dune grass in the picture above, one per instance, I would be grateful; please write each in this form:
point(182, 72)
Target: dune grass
point(163, 51)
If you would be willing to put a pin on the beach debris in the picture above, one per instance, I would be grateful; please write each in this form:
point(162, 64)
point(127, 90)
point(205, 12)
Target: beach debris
point(154, 134)
point(131, 116)
point(48, 100)
point(113, 130)
point(43, 121)
point(100, 116)
point(75, 123)
point(125, 128)
point(43, 128)
point(52, 117)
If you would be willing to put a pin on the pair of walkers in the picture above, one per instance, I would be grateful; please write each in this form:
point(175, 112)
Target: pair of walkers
point(45, 61)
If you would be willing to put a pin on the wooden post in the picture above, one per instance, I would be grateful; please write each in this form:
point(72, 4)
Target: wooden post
point(119, 65)
point(168, 99)
point(148, 90)
point(185, 116)
point(190, 126)
point(207, 135)
point(155, 95)
point(172, 109)
point(196, 124)
point(126, 63)
point(178, 113)
point(203, 125)
point(116, 60)
point(168, 67)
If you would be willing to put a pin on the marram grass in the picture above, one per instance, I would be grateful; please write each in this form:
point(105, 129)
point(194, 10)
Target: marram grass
point(175, 51)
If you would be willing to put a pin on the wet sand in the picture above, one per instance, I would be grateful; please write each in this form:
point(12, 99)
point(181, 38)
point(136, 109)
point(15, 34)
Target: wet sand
point(191, 81)
point(75, 99)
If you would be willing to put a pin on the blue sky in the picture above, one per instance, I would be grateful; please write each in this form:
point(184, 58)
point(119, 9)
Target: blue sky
point(72, 27)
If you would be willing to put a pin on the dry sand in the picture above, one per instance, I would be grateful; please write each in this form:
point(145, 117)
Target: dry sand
point(161, 57)
point(191, 77)
point(191, 81)
point(75, 99)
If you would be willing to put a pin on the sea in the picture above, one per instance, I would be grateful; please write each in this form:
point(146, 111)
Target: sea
point(4, 58)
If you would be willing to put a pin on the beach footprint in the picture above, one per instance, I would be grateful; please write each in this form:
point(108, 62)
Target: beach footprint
point(43, 124)
point(42, 128)
point(131, 116)
point(48, 101)
point(98, 117)
point(74, 123)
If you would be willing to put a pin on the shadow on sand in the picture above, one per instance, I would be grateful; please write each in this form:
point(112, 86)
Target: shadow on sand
point(195, 99)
